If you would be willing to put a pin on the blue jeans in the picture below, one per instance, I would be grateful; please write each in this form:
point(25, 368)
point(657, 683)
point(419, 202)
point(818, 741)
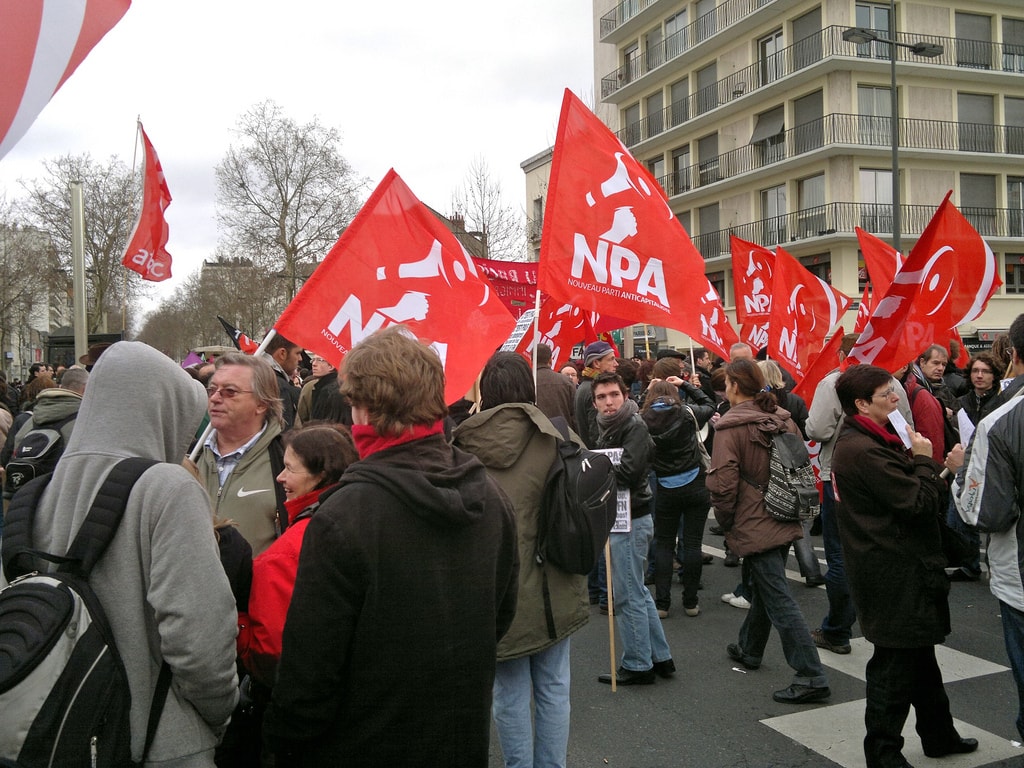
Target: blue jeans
point(772, 605)
point(804, 550)
point(1013, 636)
point(683, 508)
point(837, 626)
point(636, 617)
point(542, 678)
point(954, 521)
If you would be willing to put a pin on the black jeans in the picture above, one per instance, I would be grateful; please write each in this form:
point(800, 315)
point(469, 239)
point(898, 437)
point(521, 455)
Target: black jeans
point(691, 503)
point(896, 679)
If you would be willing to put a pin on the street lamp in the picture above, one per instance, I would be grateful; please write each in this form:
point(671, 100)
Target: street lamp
point(861, 35)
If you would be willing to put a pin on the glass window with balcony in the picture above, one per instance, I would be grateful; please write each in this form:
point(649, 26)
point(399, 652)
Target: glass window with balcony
point(769, 137)
point(683, 217)
point(1015, 204)
point(973, 41)
point(679, 93)
point(656, 166)
point(707, 157)
point(873, 16)
point(655, 106)
point(1013, 122)
point(807, 47)
point(654, 43)
point(976, 122)
point(708, 242)
point(769, 57)
point(808, 121)
point(680, 170)
point(874, 115)
point(630, 63)
point(631, 122)
point(1013, 275)
point(706, 20)
point(876, 200)
point(811, 217)
point(675, 34)
point(773, 215)
point(1013, 45)
point(978, 201)
point(707, 88)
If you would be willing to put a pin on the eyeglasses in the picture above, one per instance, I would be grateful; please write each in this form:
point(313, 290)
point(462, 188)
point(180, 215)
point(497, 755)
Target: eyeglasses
point(228, 393)
point(887, 393)
point(315, 360)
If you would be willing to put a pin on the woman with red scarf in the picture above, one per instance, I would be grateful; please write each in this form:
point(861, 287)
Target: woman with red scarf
point(889, 503)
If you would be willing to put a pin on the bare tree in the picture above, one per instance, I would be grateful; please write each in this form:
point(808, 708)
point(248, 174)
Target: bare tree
point(285, 193)
point(480, 203)
point(111, 197)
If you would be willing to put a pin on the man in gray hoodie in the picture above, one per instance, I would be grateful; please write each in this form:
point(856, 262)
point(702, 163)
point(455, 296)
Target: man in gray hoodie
point(160, 581)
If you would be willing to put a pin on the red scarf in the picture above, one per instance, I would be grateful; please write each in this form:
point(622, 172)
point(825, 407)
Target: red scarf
point(369, 442)
point(300, 503)
point(872, 427)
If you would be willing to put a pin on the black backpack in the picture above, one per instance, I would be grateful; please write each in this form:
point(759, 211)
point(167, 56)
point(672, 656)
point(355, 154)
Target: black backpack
point(791, 494)
point(578, 506)
point(35, 456)
point(63, 689)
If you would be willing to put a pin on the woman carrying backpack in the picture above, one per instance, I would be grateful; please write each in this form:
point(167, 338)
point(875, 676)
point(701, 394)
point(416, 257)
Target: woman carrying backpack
point(681, 493)
point(739, 468)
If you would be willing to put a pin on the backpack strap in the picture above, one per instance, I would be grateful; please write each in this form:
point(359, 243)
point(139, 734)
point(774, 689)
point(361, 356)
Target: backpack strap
point(559, 423)
point(18, 552)
point(100, 525)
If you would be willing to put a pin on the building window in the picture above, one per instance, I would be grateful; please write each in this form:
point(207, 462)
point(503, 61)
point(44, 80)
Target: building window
point(770, 57)
point(655, 114)
point(769, 136)
point(873, 16)
point(819, 265)
point(876, 200)
point(683, 217)
point(773, 215)
point(1015, 204)
point(874, 110)
point(1013, 275)
point(708, 242)
point(631, 120)
point(717, 280)
point(675, 34)
point(707, 156)
point(811, 219)
point(1013, 45)
point(655, 48)
point(978, 201)
point(1013, 120)
point(680, 170)
point(537, 220)
point(707, 88)
point(973, 41)
point(630, 63)
point(679, 93)
point(976, 122)
point(656, 165)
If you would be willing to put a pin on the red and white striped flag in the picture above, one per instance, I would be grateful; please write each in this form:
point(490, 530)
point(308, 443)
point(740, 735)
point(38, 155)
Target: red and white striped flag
point(41, 43)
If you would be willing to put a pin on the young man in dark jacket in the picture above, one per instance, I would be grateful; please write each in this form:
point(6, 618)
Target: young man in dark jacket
point(407, 580)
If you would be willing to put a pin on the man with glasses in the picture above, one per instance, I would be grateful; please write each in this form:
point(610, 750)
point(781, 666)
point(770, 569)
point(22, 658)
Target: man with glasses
point(320, 398)
point(243, 454)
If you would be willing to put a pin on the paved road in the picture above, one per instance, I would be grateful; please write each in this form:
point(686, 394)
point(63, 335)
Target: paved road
point(712, 715)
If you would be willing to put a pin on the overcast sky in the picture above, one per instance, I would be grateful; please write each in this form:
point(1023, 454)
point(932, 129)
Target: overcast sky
point(423, 87)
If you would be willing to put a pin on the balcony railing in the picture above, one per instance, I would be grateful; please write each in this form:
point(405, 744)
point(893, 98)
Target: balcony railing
point(842, 218)
point(622, 13)
point(800, 55)
point(859, 130)
point(533, 229)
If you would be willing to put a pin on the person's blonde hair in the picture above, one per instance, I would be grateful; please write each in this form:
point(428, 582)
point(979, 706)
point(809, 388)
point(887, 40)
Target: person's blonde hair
point(398, 380)
point(772, 374)
point(264, 382)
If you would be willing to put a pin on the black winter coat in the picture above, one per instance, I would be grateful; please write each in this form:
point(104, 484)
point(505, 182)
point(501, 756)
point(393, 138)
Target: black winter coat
point(633, 472)
point(889, 506)
point(675, 434)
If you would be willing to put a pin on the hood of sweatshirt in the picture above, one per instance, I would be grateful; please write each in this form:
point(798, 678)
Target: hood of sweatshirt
point(436, 481)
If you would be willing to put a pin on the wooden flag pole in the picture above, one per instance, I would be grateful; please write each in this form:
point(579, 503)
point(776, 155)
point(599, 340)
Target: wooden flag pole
point(536, 338)
point(611, 609)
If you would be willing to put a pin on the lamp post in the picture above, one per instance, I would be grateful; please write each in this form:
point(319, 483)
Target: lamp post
point(863, 35)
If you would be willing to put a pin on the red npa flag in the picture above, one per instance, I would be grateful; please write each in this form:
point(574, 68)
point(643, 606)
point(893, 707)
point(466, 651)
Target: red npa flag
point(947, 279)
point(882, 260)
point(805, 309)
point(396, 263)
point(863, 311)
point(611, 243)
point(146, 252)
point(819, 367)
point(752, 276)
point(561, 326)
point(41, 43)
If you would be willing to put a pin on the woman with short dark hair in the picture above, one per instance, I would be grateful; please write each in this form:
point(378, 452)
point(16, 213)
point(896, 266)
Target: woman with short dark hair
point(891, 500)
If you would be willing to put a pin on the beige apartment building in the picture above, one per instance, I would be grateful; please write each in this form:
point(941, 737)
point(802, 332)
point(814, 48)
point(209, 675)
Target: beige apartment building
point(771, 120)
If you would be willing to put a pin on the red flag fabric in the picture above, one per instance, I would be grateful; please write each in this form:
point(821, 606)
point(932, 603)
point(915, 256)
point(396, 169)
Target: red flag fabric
point(514, 282)
point(146, 252)
point(41, 43)
point(396, 263)
point(863, 311)
point(947, 280)
point(561, 326)
point(752, 276)
point(610, 241)
point(805, 309)
point(882, 260)
point(819, 367)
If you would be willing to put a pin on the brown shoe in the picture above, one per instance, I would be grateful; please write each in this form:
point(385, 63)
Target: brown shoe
point(822, 642)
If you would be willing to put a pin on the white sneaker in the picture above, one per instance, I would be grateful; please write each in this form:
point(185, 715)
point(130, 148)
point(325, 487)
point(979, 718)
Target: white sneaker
point(727, 597)
point(740, 602)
